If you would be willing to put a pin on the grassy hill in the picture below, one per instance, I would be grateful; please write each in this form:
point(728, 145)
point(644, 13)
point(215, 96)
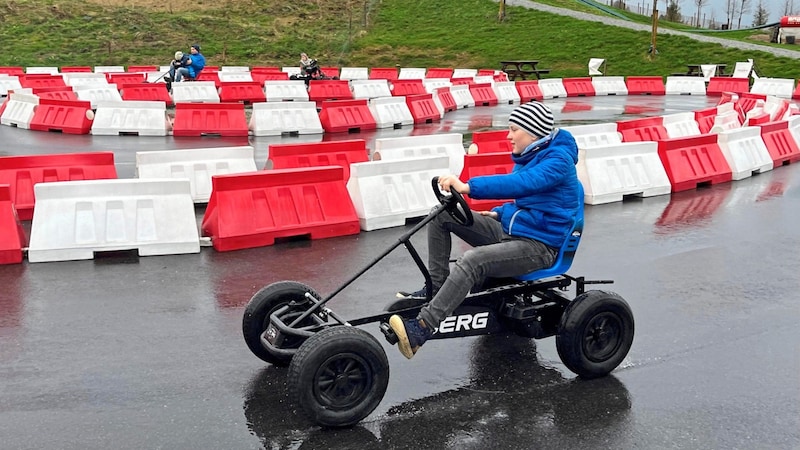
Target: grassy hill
point(365, 33)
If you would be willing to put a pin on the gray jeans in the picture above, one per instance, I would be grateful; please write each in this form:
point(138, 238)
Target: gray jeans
point(495, 254)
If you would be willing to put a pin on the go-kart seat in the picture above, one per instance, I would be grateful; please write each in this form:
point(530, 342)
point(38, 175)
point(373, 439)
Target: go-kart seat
point(567, 251)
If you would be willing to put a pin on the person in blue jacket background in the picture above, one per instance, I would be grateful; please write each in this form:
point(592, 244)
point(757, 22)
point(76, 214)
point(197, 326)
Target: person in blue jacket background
point(192, 66)
point(513, 239)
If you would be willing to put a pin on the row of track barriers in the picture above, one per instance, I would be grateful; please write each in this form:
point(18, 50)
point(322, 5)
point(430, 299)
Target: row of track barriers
point(78, 206)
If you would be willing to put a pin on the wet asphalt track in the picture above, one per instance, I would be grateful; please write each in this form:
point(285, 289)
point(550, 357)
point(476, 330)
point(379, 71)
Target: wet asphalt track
point(144, 353)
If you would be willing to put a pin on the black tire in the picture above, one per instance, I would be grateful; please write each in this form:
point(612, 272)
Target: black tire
point(339, 376)
point(595, 333)
point(261, 306)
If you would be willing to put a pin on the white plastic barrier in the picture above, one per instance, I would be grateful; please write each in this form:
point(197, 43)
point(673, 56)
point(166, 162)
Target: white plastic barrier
point(431, 84)
point(595, 135)
point(157, 77)
point(141, 118)
point(779, 87)
point(195, 91)
point(777, 108)
point(609, 86)
point(450, 145)
point(794, 127)
point(745, 151)
point(387, 193)
point(19, 110)
point(94, 93)
point(462, 96)
point(291, 70)
point(74, 219)
point(9, 83)
point(234, 69)
point(727, 118)
point(465, 73)
point(233, 76)
point(42, 70)
point(411, 73)
point(609, 173)
point(285, 90)
point(277, 118)
point(354, 73)
point(483, 79)
point(84, 79)
point(553, 88)
point(109, 69)
point(685, 86)
point(391, 112)
point(681, 125)
point(366, 89)
point(506, 92)
point(197, 165)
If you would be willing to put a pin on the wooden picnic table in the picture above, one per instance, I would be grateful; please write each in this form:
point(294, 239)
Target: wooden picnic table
point(522, 69)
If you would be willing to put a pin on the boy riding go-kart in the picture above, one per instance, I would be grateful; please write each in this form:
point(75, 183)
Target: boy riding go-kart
point(338, 373)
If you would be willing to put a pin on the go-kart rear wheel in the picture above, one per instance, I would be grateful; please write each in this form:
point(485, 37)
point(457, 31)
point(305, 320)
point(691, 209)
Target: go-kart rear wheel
point(261, 306)
point(595, 333)
point(339, 376)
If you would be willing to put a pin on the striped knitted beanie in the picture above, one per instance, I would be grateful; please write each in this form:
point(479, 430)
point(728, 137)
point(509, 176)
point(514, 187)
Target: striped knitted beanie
point(534, 117)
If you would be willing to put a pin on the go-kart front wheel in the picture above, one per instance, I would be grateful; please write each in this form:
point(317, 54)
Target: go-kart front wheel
point(261, 306)
point(339, 376)
point(595, 333)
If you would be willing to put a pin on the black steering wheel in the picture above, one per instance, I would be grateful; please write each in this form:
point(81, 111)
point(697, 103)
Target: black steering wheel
point(463, 215)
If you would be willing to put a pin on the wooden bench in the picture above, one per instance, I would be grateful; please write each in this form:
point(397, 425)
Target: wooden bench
point(523, 69)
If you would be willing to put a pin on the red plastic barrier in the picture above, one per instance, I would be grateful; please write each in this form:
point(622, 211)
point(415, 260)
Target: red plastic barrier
point(445, 99)
point(330, 71)
point(485, 164)
point(486, 72)
point(338, 116)
point(76, 69)
point(241, 91)
point(718, 85)
point(695, 160)
point(645, 86)
point(422, 108)
point(209, 75)
point(705, 119)
point(42, 81)
point(252, 209)
point(529, 90)
point(324, 90)
point(56, 93)
point(760, 119)
point(154, 92)
point(261, 77)
point(646, 129)
point(22, 172)
point(121, 79)
point(383, 73)
point(490, 142)
point(66, 116)
point(210, 69)
point(780, 143)
point(578, 87)
point(747, 101)
point(12, 236)
point(483, 94)
point(134, 69)
point(200, 119)
point(12, 70)
point(462, 80)
point(407, 87)
point(439, 72)
point(502, 77)
point(327, 153)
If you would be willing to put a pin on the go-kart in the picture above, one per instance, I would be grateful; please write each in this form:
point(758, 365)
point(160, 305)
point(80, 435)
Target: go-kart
point(338, 372)
point(311, 72)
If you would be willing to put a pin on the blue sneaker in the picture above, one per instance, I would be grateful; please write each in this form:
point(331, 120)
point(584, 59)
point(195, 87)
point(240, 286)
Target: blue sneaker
point(416, 294)
point(411, 334)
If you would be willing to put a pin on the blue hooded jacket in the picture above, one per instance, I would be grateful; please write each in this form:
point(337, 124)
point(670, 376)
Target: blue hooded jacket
point(544, 190)
point(198, 63)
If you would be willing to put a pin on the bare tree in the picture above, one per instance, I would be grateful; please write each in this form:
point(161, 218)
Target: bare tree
point(761, 15)
point(673, 13)
point(730, 11)
point(744, 7)
point(788, 7)
point(700, 4)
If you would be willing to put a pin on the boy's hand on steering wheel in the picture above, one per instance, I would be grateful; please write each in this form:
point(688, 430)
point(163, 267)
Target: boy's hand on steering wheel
point(447, 182)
